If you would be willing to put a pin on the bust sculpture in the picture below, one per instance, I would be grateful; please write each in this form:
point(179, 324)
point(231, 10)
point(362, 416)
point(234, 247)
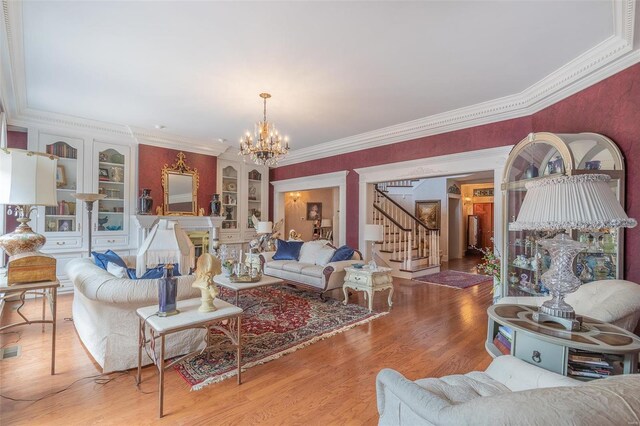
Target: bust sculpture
point(206, 268)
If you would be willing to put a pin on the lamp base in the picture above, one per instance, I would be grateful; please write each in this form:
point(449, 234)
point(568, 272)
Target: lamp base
point(570, 324)
point(22, 240)
point(168, 314)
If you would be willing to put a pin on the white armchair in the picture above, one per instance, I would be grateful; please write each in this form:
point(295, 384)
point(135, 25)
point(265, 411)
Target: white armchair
point(614, 301)
point(510, 391)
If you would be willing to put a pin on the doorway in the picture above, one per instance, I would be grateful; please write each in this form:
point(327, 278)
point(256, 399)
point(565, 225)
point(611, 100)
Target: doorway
point(484, 212)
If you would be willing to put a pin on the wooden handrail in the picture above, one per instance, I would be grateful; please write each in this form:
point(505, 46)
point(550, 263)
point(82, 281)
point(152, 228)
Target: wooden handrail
point(385, 214)
point(418, 221)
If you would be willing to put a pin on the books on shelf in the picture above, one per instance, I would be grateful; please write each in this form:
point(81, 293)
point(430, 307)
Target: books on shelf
point(63, 150)
point(592, 365)
point(501, 346)
point(506, 332)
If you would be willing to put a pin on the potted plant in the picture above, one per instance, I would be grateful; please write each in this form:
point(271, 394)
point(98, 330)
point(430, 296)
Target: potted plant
point(490, 265)
point(227, 267)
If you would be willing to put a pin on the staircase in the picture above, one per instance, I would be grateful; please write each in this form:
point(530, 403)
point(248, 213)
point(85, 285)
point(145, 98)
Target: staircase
point(409, 247)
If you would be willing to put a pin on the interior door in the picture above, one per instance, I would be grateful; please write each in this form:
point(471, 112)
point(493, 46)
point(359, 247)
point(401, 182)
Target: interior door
point(484, 211)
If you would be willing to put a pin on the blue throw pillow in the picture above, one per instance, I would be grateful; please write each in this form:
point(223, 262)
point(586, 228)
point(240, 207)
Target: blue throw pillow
point(102, 259)
point(288, 250)
point(158, 272)
point(131, 272)
point(343, 253)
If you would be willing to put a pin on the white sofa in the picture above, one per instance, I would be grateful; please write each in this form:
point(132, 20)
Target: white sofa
point(614, 301)
point(310, 271)
point(509, 392)
point(104, 314)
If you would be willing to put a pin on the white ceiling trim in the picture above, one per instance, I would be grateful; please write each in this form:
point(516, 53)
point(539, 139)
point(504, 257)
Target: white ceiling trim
point(600, 62)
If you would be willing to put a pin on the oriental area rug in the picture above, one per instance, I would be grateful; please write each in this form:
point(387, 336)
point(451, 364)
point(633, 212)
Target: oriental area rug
point(276, 321)
point(455, 279)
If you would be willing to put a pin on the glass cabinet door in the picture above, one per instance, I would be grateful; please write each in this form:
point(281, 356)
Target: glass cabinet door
point(66, 217)
point(545, 154)
point(254, 197)
point(230, 188)
point(112, 177)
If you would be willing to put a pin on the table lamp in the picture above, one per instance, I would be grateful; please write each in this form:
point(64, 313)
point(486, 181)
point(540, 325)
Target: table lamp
point(582, 202)
point(326, 225)
point(88, 199)
point(373, 233)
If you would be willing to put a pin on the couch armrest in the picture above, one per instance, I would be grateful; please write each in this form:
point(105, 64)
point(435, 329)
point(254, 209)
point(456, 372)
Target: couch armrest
point(396, 394)
point(339, 266)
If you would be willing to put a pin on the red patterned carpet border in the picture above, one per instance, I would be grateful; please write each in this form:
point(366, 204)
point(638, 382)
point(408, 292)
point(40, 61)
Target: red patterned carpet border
point(276, 321)
point(454, 279)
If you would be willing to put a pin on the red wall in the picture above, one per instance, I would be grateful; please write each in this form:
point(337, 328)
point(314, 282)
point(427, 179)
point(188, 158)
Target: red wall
point(611, 107)
point(151, 159)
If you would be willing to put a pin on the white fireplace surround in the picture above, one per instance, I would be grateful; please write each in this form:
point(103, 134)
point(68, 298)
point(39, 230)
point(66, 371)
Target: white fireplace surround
point(187, 223)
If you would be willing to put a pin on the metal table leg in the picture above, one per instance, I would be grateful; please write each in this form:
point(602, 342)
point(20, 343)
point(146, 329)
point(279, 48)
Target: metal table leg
point(161, 380)
point(54, 316)
point(140, 345)
point(239, 352)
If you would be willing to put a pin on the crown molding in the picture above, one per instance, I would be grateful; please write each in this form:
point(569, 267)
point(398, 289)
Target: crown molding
point(603, 60)
point(598, 63)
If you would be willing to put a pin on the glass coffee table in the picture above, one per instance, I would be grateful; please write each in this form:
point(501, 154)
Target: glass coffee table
point(265, 281)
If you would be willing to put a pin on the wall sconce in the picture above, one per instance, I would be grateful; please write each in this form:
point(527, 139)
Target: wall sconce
point(295, 196)
point(467, 201)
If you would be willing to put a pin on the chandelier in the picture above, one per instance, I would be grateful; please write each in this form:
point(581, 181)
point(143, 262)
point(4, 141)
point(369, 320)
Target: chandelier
point(266, 146)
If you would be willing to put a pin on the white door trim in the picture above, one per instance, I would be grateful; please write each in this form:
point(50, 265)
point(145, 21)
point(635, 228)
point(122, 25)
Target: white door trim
point(326, 180)
point(444, 165)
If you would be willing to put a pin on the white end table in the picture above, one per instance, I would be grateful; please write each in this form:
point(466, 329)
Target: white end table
point(266, 280)
point(370, 281)
point(226, 319)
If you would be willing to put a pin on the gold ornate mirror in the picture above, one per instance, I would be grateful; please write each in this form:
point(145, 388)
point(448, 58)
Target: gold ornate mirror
point(180, 185)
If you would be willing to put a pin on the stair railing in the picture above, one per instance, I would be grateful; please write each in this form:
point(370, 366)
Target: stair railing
point(425, 240)
point(397, 239)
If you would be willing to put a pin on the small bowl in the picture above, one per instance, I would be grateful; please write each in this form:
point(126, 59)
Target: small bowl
point(358, 265)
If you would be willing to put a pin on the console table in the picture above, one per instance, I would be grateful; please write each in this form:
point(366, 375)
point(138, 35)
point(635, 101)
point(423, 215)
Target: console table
point(226, 319)
point(49, 292)
point(549, 345)
point(368, 280)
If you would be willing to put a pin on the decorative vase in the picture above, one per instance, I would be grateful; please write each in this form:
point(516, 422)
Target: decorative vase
point(167, 292)
point(229, 211)
point(145, 202)
point(216, 205)
point(116, 174)
point(531, 172)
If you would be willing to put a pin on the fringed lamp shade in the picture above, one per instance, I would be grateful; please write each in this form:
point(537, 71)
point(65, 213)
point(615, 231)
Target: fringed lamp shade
point(583, 202)
point(571, 202)
point(166, 243)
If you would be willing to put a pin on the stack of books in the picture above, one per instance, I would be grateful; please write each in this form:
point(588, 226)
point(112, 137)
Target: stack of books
point(591, 365)
point(503, 340)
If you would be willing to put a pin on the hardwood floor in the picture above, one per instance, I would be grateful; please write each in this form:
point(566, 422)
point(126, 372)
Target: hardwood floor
point(431, 331)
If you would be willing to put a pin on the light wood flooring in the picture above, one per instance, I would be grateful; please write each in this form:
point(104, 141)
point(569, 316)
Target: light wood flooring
point(431, 331)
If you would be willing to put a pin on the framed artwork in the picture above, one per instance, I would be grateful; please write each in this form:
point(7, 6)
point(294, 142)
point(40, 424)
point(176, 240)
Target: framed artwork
point(61, 177)
point(103, 174)
point(428, 212)
point(65, 225)
point(314, 211)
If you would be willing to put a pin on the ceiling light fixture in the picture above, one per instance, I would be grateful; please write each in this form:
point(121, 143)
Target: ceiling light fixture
point(269, 145)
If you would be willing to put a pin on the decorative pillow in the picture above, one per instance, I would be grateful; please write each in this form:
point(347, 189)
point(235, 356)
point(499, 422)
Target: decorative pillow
point(288, 250)
point(117, 270)
point(324, 255)
point(343, 253)
point(310, 250)
point(102, 259)
point(158, 272)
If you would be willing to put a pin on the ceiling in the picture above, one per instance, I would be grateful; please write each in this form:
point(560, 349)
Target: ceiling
point(335, 69)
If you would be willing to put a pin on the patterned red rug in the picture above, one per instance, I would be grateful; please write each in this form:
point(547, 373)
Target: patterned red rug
point(455, 279)
point(276, 321)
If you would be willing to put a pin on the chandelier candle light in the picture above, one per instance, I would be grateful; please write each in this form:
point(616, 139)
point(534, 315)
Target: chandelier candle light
point(266, 146)
point(582, 202)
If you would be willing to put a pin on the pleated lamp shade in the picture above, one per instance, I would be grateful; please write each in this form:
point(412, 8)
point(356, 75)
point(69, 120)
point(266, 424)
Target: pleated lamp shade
point(27, 178)
point(583, 202)
point(264, 228)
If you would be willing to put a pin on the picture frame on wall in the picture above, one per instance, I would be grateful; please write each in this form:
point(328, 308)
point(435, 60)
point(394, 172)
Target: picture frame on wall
point(61, 177)
point(428, 212)
point(314, 211)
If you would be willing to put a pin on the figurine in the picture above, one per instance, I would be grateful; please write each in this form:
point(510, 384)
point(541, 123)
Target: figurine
point(207, 267)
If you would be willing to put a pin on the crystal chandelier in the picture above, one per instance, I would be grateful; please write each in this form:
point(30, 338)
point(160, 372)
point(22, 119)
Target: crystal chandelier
point(266, 146)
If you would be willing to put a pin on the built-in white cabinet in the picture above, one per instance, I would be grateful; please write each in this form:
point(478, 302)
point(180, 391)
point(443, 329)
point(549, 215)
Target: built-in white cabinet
point(86, 165)
point(244, 191)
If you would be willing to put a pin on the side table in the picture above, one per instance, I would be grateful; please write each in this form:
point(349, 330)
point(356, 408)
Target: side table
point(550, 346)
point(226, 319)
point(49, 292)
point(370, 281)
